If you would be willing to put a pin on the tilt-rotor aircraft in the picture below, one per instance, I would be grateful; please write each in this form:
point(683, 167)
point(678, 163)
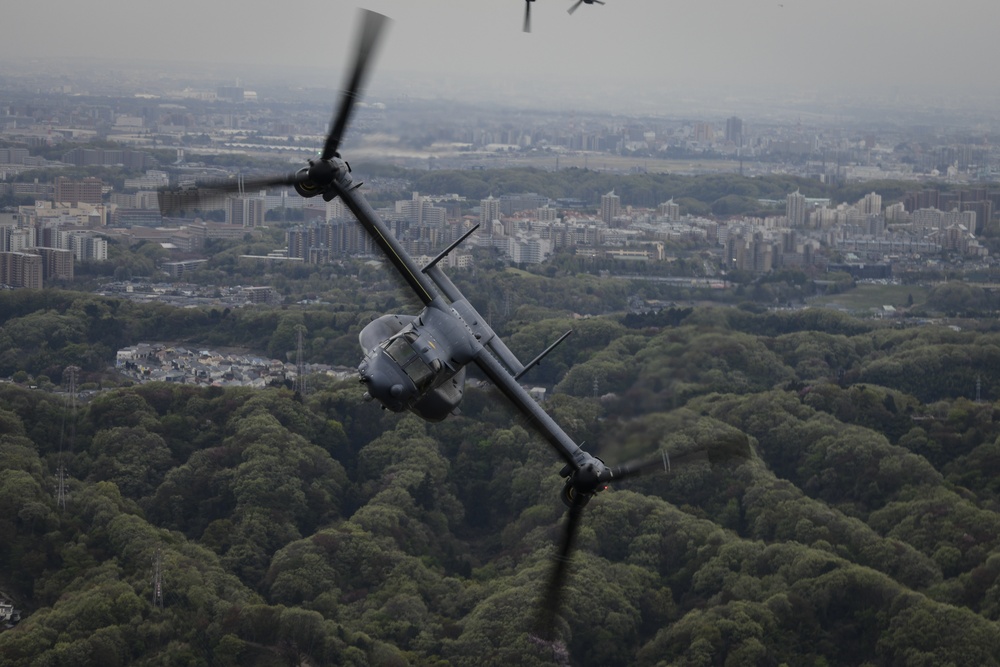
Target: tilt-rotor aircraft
point(573, 8)
point(418, 362)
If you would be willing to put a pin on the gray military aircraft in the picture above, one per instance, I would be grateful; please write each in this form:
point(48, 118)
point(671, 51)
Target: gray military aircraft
point(527, 10)
point(418, 362)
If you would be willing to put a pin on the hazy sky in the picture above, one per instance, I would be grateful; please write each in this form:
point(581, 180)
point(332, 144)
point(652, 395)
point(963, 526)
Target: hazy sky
point(675, 43)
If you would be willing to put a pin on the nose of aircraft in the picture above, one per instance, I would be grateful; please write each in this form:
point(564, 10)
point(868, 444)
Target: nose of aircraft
point(385, 382)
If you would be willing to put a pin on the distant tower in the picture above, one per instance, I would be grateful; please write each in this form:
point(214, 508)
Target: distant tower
point(734, 130)
point(610, 207)
point(158, 579)
point(68, 375)
point(795, 209)
point(61, 486)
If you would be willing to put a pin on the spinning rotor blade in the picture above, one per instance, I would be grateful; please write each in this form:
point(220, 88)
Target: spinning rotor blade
point(319, 174)
point(552, 600)
point(664, 462)
point(172, 200)
point(527, 15)
point(367, 42)
point(731, 447)
point(574, 7)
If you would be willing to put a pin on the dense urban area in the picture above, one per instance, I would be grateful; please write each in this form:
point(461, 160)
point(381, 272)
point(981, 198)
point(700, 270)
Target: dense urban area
point(83, 161)
point(189, 472)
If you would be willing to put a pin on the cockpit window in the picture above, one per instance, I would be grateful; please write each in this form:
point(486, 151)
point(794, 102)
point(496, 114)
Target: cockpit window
point(402, 352)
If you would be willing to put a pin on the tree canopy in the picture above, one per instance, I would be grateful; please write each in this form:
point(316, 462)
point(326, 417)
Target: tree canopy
point(861, 528)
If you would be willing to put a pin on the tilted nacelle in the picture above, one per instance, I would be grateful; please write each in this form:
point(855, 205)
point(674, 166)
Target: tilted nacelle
point(318, 178)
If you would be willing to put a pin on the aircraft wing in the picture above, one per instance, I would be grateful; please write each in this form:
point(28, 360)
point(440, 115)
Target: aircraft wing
point(427, 287)
point(421, 285)
point(529, 407)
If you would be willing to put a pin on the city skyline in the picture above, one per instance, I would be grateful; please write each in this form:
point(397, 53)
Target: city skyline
point(845, 47)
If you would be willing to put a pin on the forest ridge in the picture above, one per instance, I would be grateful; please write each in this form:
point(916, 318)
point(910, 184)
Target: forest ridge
point(863, 530)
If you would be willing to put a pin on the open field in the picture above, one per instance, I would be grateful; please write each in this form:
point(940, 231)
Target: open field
point(867, 296)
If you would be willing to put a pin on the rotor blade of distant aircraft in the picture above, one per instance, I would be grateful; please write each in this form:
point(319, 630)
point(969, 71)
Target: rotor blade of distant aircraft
point(573, 8)
point(552, 600)
point(367, 43)
point(172, 200)
point(527, 15)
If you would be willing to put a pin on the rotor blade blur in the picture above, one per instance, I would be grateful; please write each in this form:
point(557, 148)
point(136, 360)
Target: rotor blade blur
point(724, 450)
point(573, 8)
point(661, 463)
point(527, 15)
point(367, 43)
point(729, 447)
point(552, 601)
point(172, 200)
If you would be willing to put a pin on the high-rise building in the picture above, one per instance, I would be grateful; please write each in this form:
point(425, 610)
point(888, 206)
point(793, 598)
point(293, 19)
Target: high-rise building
point(795, 209)
point(21, 269)
point(89, 190)
point(56, 263)
point(95, 248)
point(421, 211)
point(871, 204)
point(669, 210)
point(547, 214)
point(13, 155)
point(983, 210)
point(734, 130)
point(21, 239)
point(489, 210)
point(245, 211)
point(610, 207)
point(298, 242)
point(914, 201)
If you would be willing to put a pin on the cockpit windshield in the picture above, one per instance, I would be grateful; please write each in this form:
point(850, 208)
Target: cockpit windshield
point(402, 352)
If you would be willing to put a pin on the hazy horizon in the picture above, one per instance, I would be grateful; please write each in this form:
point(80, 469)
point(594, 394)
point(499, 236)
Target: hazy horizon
point(843, 46)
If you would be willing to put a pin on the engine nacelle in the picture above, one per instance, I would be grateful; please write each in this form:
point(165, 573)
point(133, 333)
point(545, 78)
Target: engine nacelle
point(306, 188)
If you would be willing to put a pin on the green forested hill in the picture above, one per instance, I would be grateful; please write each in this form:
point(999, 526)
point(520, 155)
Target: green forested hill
point(863, 530)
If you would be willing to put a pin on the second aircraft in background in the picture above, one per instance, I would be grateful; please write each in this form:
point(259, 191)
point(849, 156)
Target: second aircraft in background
point(527, 10)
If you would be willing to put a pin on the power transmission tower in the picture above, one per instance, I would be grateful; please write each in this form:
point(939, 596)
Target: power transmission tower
point(979, 396)
point(61, 488)
point(300, 366)
point(158, 578)
point(68, 374)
